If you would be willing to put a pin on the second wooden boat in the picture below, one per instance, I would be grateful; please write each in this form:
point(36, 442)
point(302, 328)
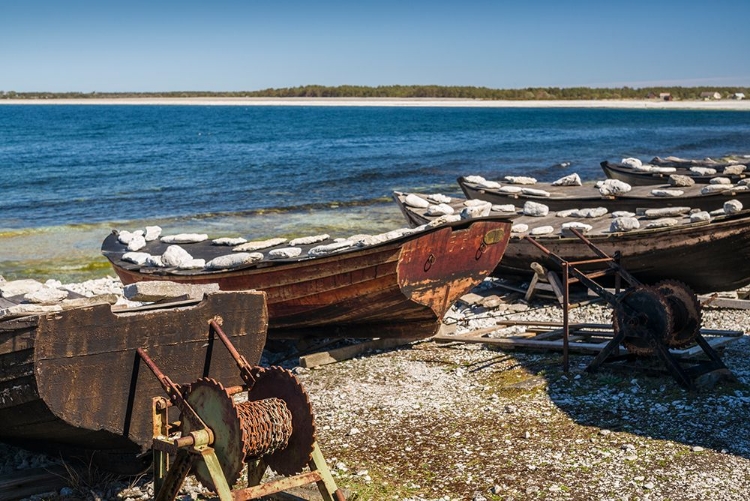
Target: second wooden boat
point(392, 285)
point(707, 256)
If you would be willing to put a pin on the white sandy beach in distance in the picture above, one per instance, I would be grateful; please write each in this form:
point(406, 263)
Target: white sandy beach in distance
point(724, 104)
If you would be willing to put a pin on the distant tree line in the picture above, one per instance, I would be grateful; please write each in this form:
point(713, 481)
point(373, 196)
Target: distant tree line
point(412, 91)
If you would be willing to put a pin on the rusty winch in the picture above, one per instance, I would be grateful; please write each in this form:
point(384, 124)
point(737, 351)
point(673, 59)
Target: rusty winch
point(220, 434)
point(648, 320)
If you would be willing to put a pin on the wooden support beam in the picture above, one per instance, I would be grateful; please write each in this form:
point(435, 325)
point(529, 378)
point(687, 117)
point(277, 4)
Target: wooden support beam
point(351, 351)
point(25, 483)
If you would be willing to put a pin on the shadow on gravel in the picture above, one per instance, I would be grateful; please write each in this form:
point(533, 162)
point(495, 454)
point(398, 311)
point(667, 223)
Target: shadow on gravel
point(647, 405)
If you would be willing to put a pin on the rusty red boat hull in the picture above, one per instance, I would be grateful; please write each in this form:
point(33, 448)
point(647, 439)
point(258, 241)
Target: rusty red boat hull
point(72, 384)
point(397, 289)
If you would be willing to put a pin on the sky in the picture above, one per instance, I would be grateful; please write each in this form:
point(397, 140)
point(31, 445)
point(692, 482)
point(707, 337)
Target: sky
point(236, 45)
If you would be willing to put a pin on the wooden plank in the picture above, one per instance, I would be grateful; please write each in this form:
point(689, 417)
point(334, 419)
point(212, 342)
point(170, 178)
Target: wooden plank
point(24, 483)
point(510, 343)
point(716, 342)
point(723, 302)
point(351, 351)
point(579, 340)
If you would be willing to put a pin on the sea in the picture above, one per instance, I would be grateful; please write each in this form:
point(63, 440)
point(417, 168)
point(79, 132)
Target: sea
point(70, 174)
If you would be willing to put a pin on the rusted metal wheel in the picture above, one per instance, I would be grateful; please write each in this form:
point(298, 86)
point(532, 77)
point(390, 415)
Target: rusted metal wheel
point(275, 382)
point(215, 406)
point(686, 312)
point(644, 315)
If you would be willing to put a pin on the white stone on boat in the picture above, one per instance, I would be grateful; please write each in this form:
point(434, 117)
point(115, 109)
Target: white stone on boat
point(259, 244)
point(542, 230)
point(234, 260)
point(152, 233)
point(732, 206)
point(285, 253)
point(184, 238)
point(139, 258)
point(176, 256)
point(620, 224)
point(520, 180)
point(413, 200)
point(439, 210)
point(535, 209)
point(323, 250)
point(569, 180)
point(702, 216)
point(309, 240)
point(666, 193)
point(662, 223)
point(229, 241)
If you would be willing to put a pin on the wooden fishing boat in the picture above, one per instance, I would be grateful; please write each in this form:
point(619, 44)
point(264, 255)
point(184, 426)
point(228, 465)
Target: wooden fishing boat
point(707, 256)
point(686, 163)
point(393, 285)
point(559, 198)
point(634, 177)
point(72, 384)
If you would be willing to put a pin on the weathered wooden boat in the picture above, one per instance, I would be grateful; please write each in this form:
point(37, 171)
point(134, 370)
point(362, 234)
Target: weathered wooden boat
point(559, 198)
point(707, 256)
point(400, 285)
point(635, 177)
point(71, 382)
point(686, 163)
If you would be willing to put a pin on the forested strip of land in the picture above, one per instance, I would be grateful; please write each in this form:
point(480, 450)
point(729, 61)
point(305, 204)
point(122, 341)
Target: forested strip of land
point(413, 91)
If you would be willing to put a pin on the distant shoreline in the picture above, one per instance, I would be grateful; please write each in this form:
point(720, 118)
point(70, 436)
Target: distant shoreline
point(728, 104)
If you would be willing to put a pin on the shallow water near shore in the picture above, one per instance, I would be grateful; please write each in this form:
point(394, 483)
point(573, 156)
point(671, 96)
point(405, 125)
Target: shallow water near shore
point(71, 253)
point(69, 173)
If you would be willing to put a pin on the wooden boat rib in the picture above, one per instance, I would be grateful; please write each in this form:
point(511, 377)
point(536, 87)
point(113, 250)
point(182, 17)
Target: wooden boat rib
point(398, 288)
point(588, 196)
point(708, 257)
point(71, 382)
point(633, 177)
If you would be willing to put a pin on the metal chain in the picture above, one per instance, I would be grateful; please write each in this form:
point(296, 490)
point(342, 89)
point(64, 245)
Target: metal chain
point(266, 426)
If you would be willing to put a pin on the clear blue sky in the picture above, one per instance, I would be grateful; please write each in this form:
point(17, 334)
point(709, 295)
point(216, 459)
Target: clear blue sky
point(229, 45)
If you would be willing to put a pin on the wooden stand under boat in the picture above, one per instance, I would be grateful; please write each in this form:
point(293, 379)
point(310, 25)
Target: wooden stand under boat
point(400, 288)
point(71, 382)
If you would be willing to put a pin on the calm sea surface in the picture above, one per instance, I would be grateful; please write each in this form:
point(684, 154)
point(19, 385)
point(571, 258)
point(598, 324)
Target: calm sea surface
point(69, 174)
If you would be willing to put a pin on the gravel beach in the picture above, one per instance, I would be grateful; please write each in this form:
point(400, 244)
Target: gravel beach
point(460, 421)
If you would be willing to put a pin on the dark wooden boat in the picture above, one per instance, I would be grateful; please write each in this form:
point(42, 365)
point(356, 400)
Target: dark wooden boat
point(399, 288)
point(707, 256)
point(638, 178)
point(71, 382)
point(588, 196)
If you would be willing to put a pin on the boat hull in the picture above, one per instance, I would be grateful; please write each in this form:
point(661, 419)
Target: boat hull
point(71, 383)
point(398, 289)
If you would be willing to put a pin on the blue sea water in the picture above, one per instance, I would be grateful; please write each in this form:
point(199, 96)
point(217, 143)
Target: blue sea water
point(70, 173)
